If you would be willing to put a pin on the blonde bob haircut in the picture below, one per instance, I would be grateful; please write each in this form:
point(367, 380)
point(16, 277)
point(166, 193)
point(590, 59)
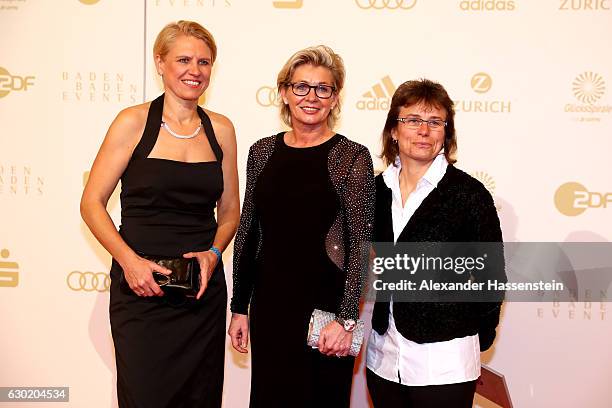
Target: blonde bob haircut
point(168, 35)
point(318, 56)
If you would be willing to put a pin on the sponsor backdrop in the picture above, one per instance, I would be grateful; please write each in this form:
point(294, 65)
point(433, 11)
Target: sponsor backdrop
point(532, 83)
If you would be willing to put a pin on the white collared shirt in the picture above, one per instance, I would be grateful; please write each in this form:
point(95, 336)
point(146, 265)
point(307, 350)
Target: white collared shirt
point(395, 358)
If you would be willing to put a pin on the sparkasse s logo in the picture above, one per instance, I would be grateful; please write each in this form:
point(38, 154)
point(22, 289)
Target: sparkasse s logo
point(588, 87)
point(9, 270)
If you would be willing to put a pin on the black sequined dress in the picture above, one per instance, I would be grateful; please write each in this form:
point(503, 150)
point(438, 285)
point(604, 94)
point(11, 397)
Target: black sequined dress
point(169, 353)
point(307, 256)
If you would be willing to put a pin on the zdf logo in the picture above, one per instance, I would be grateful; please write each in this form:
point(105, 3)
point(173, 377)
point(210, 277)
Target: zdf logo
point(481, 82)
point(573, 199)
point(88, 281)
point(386, 4)
point(267, 96)
point(10, 82)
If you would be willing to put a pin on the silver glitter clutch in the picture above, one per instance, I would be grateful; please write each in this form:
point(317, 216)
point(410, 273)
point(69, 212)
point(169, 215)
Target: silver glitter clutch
point(319, 319)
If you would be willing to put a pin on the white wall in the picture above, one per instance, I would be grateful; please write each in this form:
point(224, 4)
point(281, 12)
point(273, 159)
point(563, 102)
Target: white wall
point(67, 67)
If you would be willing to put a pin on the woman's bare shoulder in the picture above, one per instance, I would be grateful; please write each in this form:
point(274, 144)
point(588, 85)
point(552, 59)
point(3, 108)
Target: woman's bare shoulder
point(224, 128)
point(129, 124)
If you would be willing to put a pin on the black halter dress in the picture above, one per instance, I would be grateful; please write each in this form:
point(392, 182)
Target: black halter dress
point(169, 353)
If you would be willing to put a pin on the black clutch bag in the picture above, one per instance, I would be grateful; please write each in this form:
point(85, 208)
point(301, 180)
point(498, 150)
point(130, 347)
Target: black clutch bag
point(185, 276)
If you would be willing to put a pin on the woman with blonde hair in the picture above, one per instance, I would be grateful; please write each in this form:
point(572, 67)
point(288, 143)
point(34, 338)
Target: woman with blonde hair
point(176, 162)
point(307, 211)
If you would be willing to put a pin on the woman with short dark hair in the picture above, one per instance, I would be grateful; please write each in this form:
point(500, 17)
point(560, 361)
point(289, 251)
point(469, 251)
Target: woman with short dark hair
point(428, 354)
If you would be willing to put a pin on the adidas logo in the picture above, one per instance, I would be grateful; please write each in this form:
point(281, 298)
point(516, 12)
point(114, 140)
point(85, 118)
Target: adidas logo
point(379, 97)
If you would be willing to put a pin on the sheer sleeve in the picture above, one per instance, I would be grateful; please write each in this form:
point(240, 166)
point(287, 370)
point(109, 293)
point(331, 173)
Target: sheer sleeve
point(358, 204)
point(245, 244)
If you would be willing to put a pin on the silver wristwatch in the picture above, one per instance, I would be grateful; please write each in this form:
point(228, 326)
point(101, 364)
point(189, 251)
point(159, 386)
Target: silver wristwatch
point(348, 324)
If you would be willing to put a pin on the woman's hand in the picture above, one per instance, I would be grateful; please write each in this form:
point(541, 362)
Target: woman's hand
point(139, 276)
point(239, 332)
point(334, 340)
point(208, 260)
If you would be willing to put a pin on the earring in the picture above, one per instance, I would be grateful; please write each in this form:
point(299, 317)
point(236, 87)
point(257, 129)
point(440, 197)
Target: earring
point(395, 141)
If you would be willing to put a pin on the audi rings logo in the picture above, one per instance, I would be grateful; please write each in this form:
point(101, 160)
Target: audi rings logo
point(267, 96)
point(386, 4)
point(88, 281)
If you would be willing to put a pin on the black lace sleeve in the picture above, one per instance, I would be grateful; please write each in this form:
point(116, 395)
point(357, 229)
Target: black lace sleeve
point(358, 204)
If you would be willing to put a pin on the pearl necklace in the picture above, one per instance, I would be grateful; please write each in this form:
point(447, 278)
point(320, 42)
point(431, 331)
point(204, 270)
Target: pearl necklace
point(173, 133)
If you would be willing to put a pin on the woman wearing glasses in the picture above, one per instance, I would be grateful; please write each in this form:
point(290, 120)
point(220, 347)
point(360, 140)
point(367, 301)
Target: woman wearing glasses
point(307, 210)
point(428, 354)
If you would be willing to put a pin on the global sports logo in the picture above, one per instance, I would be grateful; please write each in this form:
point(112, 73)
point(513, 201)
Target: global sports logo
point(386, 4)
point(481, 83)
point(9, 270)
point(588, 88)
point(17, 83)
point(267, 97)
point(573, 199)
point(379, 96)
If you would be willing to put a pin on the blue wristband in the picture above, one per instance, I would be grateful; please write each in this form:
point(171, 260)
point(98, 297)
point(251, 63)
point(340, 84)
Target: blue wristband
point(216, 251)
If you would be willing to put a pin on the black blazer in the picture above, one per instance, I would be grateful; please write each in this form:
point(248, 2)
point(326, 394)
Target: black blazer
point(459, 209)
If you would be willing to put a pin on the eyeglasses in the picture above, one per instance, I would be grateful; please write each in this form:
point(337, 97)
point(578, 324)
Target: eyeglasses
point(303, 89)
point(415, 123)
